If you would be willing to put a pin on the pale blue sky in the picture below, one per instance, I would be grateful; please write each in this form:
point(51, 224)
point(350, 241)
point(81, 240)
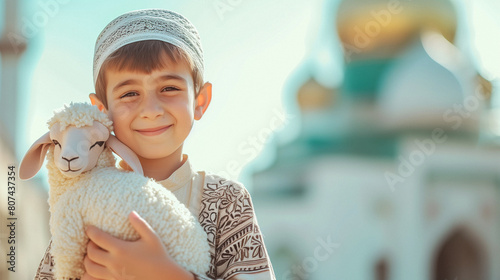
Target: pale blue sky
point(250, 52)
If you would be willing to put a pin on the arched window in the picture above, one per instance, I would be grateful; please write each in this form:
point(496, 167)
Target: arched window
point(382, 269)
point(460, 257)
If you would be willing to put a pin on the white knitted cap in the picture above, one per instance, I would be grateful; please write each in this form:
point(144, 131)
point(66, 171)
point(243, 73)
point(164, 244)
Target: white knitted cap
point(148, 24)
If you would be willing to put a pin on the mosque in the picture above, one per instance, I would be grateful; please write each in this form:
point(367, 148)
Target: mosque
point(394, 172)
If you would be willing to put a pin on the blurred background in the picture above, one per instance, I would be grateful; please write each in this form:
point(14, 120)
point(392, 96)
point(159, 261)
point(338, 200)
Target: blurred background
point(367, 132)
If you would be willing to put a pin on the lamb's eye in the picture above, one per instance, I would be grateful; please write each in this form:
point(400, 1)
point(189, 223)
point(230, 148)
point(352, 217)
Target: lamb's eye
point(56, 142)
point(100, 143)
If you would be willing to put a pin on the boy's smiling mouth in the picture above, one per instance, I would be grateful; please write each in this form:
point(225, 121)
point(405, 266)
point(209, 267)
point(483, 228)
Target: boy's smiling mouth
point(153, 131)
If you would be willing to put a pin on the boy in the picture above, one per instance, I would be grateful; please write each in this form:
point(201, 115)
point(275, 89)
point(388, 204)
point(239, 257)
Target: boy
point(148, 74)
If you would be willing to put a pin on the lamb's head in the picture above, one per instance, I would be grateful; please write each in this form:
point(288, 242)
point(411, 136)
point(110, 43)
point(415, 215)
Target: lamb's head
point(79, 134)
point(77, 149)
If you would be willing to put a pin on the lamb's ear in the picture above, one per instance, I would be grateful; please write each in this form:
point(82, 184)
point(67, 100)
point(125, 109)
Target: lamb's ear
point(34, 157)
point(125, 153)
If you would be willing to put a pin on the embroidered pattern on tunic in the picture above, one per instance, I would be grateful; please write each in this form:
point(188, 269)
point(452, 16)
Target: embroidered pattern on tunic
point(235, 240)
point(44, 271)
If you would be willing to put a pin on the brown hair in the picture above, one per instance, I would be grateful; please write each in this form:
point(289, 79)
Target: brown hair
point(144, 56)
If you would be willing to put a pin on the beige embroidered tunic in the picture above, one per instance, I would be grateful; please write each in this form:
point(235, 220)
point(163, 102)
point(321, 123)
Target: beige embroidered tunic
point(225, 211)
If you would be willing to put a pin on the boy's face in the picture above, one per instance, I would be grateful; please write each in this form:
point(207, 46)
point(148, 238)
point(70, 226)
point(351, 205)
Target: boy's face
point(152, 113)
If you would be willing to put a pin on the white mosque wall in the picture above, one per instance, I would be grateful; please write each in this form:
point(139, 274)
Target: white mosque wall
point(349, 202)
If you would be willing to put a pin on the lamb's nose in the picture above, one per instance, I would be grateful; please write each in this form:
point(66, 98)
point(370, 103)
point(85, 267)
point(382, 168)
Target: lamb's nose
point(69, 160)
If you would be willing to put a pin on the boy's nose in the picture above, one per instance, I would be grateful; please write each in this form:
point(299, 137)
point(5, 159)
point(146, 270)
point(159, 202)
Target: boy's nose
point(151, 108)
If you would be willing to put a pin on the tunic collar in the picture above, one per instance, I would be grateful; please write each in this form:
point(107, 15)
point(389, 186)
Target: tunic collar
point(181, 177)
point(178, 179)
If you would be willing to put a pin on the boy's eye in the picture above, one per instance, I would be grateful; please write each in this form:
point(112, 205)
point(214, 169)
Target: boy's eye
point(169, 89)
point(129, 94)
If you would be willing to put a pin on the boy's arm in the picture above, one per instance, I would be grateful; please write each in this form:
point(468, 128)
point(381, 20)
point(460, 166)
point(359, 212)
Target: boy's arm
point(238, 250)
point(46, 267)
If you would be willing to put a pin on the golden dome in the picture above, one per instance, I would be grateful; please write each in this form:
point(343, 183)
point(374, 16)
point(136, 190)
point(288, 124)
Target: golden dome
point(381, 28)
point(313, 96)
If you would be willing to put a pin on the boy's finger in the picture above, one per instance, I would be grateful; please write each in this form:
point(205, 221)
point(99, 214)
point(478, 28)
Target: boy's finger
point(96, 254)
point(141, 226)
point(93, 270)
point(102, 239)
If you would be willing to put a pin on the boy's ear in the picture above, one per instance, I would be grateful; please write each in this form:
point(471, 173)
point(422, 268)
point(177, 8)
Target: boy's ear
point(203, 100)
point(97, 102)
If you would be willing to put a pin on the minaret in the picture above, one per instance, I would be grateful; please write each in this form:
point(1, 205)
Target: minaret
point(12, 46)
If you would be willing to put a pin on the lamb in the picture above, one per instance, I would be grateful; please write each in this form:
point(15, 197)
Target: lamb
point(87, 189)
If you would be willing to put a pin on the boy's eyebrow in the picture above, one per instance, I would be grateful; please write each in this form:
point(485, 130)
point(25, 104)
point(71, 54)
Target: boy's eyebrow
point(171, 77)
point(125, 83)
point(161, 78)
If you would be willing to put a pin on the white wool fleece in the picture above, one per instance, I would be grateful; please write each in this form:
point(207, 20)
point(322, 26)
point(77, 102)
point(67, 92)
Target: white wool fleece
point(79, 115)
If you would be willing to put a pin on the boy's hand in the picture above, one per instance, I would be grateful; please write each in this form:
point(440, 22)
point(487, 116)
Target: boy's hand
point(111, 258)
